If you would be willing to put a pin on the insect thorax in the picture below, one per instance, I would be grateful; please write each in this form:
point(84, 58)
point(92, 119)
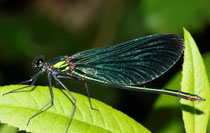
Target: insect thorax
point(62, 64)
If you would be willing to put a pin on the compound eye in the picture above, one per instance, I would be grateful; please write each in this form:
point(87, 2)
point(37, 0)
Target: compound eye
point(38, 63)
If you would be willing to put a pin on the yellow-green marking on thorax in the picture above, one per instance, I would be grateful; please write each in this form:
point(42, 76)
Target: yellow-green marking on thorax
point(60, 63)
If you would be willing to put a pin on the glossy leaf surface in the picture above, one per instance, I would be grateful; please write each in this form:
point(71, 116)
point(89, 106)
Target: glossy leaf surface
point(17, 108)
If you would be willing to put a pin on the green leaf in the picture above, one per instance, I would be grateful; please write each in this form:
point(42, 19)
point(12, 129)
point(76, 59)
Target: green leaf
point(195, 81)
point(17, 108)
point(170, 106)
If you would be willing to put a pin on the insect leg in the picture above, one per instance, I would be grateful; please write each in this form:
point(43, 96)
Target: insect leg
point(64, 77)
point(86, 87)
point(72, 113)
point(89, 96)
point(27, 81)
point(51, 101)
point(34, 78)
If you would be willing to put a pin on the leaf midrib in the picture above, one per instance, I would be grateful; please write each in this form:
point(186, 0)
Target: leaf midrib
point(193, 76)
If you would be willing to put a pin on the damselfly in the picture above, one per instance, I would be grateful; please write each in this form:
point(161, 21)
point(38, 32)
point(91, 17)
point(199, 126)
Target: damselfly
point(126, 65)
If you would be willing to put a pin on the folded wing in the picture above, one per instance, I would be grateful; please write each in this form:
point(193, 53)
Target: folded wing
point(131, 63)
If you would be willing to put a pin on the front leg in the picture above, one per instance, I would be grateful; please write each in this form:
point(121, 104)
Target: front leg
point(33, 80)
point(50, 102)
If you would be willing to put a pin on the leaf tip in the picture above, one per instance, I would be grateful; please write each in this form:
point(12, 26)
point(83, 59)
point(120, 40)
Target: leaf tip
point(185, 31)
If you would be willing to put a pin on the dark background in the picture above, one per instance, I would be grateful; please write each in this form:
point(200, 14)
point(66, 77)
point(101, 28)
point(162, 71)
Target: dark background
point(52, 28)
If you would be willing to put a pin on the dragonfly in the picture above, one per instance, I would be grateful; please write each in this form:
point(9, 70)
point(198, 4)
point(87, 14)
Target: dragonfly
point(127, 65)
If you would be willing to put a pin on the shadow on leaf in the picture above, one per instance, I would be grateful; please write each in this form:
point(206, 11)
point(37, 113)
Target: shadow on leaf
point(191, 109)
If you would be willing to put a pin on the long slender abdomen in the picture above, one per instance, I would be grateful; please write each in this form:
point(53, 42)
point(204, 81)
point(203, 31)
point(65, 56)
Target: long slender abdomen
point(184, 95)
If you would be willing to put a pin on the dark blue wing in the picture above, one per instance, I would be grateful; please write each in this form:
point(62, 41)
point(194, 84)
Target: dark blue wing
point(131, 63)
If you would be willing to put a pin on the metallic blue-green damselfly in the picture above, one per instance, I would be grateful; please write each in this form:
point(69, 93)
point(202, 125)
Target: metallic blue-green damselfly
point(126, 65)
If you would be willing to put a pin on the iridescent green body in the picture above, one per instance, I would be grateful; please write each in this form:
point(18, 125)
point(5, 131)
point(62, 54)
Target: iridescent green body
point(59, 64)
point(126, 65)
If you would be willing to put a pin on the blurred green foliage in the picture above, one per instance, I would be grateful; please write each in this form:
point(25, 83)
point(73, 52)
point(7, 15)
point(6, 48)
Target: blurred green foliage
point(33, 28)
point(168, 16)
